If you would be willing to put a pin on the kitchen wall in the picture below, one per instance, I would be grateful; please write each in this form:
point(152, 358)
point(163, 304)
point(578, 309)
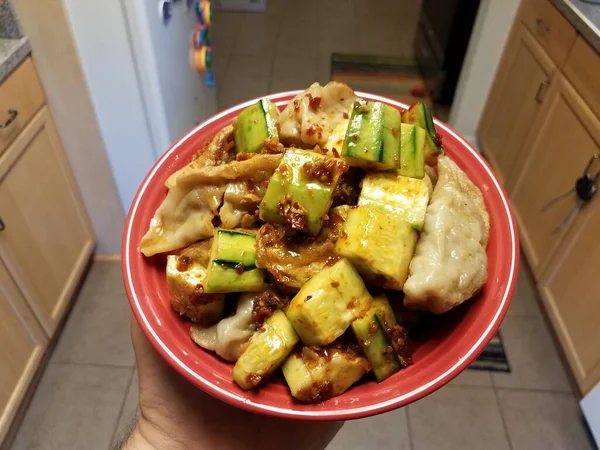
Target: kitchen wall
point(491, 30)
point(55, 57)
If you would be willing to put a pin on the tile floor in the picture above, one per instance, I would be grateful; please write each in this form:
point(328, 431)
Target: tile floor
point(289, 46)
point(88, 394)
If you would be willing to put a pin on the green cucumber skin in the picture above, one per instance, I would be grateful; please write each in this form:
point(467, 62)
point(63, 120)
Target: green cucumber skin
point(255, 124)
point(234, 247)
point(390, 152)
point(375, 346)
point(365, 126)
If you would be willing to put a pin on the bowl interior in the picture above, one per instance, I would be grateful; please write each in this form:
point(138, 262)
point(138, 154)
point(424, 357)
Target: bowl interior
point(444, 353)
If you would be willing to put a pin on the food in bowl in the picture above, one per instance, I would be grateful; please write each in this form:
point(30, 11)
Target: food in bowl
point(302, 240)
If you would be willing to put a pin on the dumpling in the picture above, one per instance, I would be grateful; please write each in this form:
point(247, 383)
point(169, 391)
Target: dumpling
point(226, 337)
point(186, 215)
point(450, 262)
point(315, 114)
point(218, 151)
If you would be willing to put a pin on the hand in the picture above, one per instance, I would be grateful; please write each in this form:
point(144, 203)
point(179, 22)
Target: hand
point(175, 415)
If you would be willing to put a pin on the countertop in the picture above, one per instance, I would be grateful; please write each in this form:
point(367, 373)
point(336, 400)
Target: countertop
point(14, 46)
point(12, 52)
point(585, 17)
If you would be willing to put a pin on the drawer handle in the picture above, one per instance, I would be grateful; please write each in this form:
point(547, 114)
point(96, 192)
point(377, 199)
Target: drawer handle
point(2, 226)
point(541, 91)
point(12, 115)
point(541, 26)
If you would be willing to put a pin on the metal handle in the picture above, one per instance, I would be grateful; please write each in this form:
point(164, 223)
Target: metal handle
point(12, 115)
point(2, 226)
point(541, 26)
point(541, 91)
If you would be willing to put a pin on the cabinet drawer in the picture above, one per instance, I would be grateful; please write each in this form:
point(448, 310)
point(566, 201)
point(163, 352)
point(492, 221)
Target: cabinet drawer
point(582, 69)
point(549, 27)
point(20, 92)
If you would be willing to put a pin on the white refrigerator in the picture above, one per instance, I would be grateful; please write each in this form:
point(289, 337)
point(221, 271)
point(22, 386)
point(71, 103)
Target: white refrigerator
point(144, 92)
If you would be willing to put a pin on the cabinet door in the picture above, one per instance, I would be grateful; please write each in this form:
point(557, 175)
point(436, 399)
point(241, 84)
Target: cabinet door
point(563, 140)
point(23, 344)
point(570, 288)
point(47, 239)
point(516, 97)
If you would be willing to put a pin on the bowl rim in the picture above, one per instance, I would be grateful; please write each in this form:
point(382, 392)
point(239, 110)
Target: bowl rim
point(329, 415)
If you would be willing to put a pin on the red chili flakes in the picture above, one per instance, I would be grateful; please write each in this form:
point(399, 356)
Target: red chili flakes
point(243, 156)
point(395, 132)
point(184, 263)
point(283, 169)
point(354, 137)
point(239, 268)
point(332, 260)
point(335, 284)
point(324, 170)
point(314, 102)
point(308, 297)
point(335, 152)
point(345, 115)
point(293, 213)
point(296, 105)
point(372, 327)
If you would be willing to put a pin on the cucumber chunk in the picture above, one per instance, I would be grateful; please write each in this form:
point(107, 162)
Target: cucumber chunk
point(255, 124)
point(374, 334)
point(373, 136)
point(412, 156)
point(267, 349)
point(300, 191)
point(232, 266)
point(420, 114)
point(379, 244)
point(328, 303)
point(314, 375)
point(402, 196)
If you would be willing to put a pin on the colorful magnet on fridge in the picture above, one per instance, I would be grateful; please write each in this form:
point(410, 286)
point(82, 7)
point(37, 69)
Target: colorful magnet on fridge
point(201, 59)
point(200, 38)
point(203, 11)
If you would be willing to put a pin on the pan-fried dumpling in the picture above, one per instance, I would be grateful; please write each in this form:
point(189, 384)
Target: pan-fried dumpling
point(313, 115)
point(226, 337)
point(450, 262)
point(220, 150)
point(186, 215)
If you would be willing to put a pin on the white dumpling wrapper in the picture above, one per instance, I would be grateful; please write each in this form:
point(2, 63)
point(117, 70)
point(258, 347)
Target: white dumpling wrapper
point(226, 337)
point(450, 261)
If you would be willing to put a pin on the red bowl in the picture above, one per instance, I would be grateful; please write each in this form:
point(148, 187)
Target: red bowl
point(458, 339)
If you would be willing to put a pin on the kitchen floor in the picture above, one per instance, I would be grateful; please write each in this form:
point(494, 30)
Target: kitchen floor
point(87, 396)
point(289, 47)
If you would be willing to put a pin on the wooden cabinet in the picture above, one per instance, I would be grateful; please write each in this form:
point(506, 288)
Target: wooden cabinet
point(540, 127)
point(565, 138)
point(47, 240)
point(570, 292)
point(550, 28)
point(516, 99)
point(23, 344)
point(45, 236)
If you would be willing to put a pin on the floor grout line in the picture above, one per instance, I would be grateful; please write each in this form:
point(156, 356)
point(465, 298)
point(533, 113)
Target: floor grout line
point(122, 408)
point(533, 390)
point(411, 444)
point(97, 365)
point(504, 424)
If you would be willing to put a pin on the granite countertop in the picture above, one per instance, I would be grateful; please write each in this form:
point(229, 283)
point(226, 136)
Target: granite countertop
point(14, 46)
point(12, 52)
point(585, 17)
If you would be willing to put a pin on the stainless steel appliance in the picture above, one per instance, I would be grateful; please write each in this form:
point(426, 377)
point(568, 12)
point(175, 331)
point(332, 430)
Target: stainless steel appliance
point(445, 27)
